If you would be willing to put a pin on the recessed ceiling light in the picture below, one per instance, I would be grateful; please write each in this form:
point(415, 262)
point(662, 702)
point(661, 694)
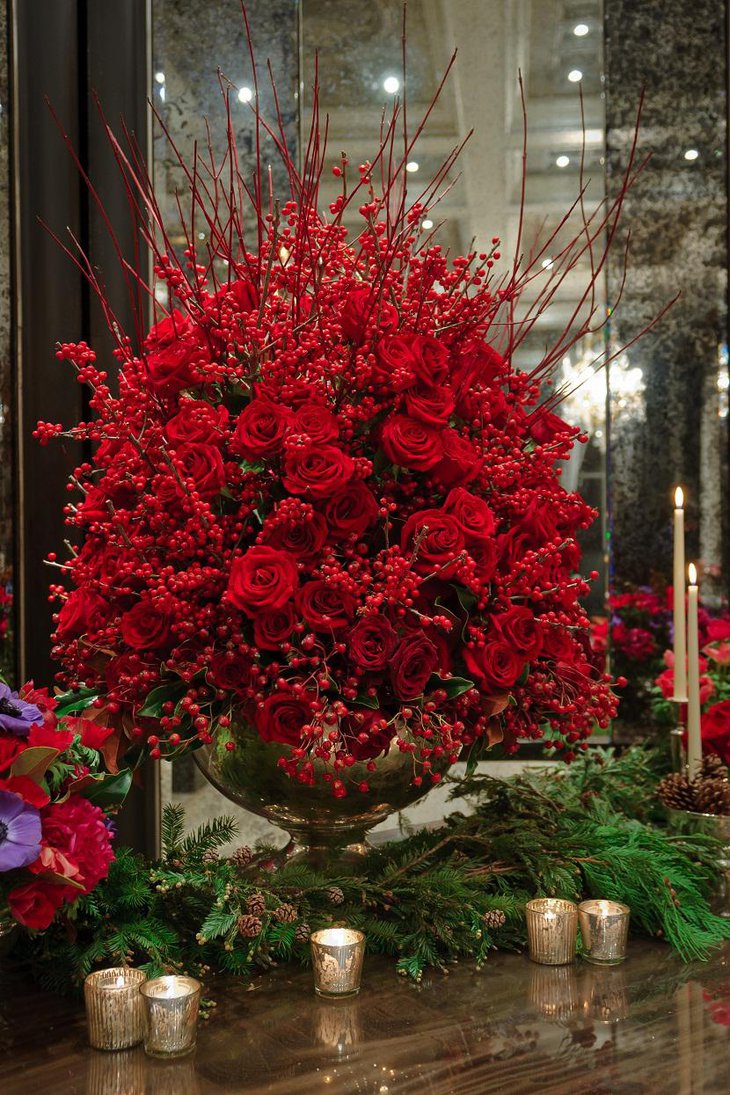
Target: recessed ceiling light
point(391, 84)
point(412, 166)
point(562, 161)
point(547, 264)
point(427, 224)
point(575, 75)
point(691, 154)
point(245, 94)
point(580, 30)
point(160, 77)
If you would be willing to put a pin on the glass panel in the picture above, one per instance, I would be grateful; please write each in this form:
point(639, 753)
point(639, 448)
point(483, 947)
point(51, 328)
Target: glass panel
point(7, 402)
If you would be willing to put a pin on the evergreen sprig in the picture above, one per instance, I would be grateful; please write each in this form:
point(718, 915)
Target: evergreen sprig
point(584, 831)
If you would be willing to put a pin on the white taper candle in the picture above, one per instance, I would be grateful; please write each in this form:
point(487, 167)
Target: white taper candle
point(680, 634)
point(694, 740)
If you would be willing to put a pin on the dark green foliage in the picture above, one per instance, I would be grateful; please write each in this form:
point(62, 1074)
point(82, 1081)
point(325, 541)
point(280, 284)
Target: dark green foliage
point(587, 830)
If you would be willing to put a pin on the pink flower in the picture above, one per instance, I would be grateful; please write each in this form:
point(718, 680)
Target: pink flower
point(718, 652)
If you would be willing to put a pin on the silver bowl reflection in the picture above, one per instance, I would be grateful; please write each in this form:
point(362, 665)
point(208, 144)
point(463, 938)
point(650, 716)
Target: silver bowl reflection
point(320, 825)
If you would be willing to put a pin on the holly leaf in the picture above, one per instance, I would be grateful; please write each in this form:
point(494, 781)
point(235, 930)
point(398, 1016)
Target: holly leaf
point(34, 762)
point(108, 790)
point(453, 687)
point(158, 697)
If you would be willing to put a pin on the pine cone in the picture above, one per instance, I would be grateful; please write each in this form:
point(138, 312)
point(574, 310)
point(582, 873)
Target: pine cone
point(713, 796)
point(210, 856)
point(249, 926)
point(242, 856)
point(285, 914)
point(676, 791)
point(302, 933)
point(493, 919)
point(335, 895)
point(256, 904)
point(714, 767)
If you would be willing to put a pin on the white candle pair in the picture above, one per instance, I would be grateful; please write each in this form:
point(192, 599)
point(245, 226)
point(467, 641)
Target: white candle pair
point(686, 640)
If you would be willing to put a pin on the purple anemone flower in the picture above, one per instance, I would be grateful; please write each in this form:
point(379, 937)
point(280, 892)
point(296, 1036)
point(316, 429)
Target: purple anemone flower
point(16, 715)
point(20, 832)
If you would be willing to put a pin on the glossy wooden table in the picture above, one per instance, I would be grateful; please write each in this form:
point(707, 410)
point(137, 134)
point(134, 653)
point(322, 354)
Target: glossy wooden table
point(650, 1025)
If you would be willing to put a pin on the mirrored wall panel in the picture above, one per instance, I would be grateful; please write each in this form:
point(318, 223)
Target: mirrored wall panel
point(7, 396)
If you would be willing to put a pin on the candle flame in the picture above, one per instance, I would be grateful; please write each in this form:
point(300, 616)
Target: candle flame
point(119, 983)
point(679, 498)
point(692, 573)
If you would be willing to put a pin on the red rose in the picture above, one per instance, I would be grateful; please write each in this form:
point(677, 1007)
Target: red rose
point(169, 331)
point(432, 406)
point(432, 360)
point(496, 665)
point(317, 422)
point(240, 295)
point(273, 627)
point(396, 362)
point(83, 613)
point(95, 506)
point(519, 628)
point(460, 461)
point(302, 537)
point(262, 578)
point(197, 422)
point(174, 365)
point(367, 736)
point(558, 644)
point(410, 444)
point(472, 514)
point(261, 429)
point(324, 606)
point(145, 627)
point(371, 643)
point(319, 472)
point(716, 730)
point(484, 554)
point(231, 672)
point(544, 426)
point(362, 307)
point(434, 537)
point(203, 466)
point(718, 630)
point(281, 718)
point(351, 511)
point(35, 904)
point(477, 363)
point(412, 664)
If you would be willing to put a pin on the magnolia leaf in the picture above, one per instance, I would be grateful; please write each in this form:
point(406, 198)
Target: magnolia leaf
point(108, 790)
point(59, 879)
point(453, 687)
point(34, 762)
point(161, 695)
point(72, 703)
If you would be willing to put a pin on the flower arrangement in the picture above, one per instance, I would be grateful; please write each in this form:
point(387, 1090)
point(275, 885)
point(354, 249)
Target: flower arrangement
point(323, 499)
point(55, 838)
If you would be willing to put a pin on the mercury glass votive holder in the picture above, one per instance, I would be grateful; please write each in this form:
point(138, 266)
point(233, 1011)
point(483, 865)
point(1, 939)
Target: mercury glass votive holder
point(604, 928)
point(337, 957)
point(172, 1004)
point(552, 928)
point(114, 1008)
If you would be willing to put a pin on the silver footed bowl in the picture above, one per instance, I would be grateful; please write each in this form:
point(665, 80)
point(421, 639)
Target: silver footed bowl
point(322, 828)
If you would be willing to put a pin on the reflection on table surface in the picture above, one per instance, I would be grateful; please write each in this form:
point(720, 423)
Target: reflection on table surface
point(650, 1025)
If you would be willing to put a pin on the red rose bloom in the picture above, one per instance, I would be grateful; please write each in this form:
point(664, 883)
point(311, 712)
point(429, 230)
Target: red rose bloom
point(169, 330)
point(319, 472)
point(324, 606)
point(415, 659)
point(197, 422)
point(273, 627)
point(317, 422)
point(262, 578)
point(363, 307)
point(484, 554)
point(304, 538)
point(231, 671)
point(241, 295)
point(83, 613)
point(145, 627)
point(396, 362)
point(472, 514)
point(173, 366)
point(477, 363)
point(371, 643)
point(368, 736)
point(432, 360)
point(432, 406)
point(434, 537)
point(544, 426)
point(261, 429)
point(716, 730)
point(351, 511)
point(520, 629)
point(495, 666)
point(281, 718)
point(460, 461)
point(410, 444)
point(203, 466)
point(35, 904)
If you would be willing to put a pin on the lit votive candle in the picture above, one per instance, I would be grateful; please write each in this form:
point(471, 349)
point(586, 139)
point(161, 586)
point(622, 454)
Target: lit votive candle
point(337, 957)
point(604, 926)
point(114, 1008)
point(552, 927)
point(172, 1005)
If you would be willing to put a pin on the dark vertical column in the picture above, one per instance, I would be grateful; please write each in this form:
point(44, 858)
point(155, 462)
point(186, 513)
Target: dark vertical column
point(675, 430)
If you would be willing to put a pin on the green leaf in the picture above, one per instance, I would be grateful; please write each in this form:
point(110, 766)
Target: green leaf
point(364, 700)
point(34, 762)
point(72, 703)
point(108, 790)
point(453, 687)
point(467, 599)
point(164, 693)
